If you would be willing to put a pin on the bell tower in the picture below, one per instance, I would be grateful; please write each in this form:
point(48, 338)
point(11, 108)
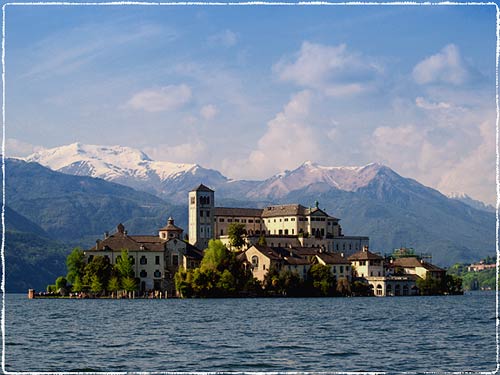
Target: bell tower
point(201, 216)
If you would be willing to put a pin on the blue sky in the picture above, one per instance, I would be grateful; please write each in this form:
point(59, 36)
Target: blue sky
point(254, 90)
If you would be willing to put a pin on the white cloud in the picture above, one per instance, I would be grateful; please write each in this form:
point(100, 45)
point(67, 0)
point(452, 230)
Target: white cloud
point(189, 152)
point(331, 69)
point(226, 38)
point(287, 142)
point(162, 99)
point(16, 148)
point(208, 111)
point(446, 66)
point(475, 173)
point(425, 104)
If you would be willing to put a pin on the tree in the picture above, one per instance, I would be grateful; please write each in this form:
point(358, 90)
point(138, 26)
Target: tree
point(216, 256)
point(322, 279)
point(100, 267)
point(183, 282)
point(96, 285)
point(61, 282)
point(114, 285)
point(236, 233)
point(75, 263)
point(77, 285)
point(430, 286)
point(124, 265)
point(129, 284)
point(227, 283)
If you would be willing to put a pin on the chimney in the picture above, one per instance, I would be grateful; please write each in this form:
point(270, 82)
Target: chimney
point(106, 234)
point(97, 242)
point(365, 249)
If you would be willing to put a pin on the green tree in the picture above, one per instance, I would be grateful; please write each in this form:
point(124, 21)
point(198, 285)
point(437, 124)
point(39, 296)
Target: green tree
point(129, 284)
point(114, 285)
point(75, 263)
point(430, 286)
point(77, 285)
point(61, 282)
point(227, 283)
point(236, 233)
point(99, 266)
point(124, 265)
point(216, 256)
point(183, 282)
point(322, 279)
point(96, 285)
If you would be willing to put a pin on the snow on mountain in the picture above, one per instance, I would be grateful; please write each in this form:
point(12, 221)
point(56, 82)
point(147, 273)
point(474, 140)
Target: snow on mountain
point(124, 165)
point(316, 177)
point(474, 203)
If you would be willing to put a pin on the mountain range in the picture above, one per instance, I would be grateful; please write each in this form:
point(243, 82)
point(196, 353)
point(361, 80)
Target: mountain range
point(82, 194)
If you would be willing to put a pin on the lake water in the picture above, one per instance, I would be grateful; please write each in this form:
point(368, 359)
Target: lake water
point(442, 333)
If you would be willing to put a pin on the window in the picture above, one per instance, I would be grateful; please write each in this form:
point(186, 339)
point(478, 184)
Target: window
point(264, 267)
point(293, 231)
point(237, 220)
point(157, 273)
point(292, 219)
point(341, 269)
point(334, 269)
point(201, 213)
point(143, 260)
point(143, 273)
point(280, 231)
point(337, 247)
point(221, 220)
point(229, 220)
point(286, 231)
point(157, 259)
point(208, 213)
point(192, 200)
point(257, 221)
point(255, 262)
point(286, 219)
point(250, 220)
point(343, 246)
point(175, 260)
point(222, 232)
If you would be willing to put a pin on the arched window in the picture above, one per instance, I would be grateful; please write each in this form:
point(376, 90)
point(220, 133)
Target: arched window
point(379, 290)
point(157, 273)
point(143, 273)
point(143, 260)
point(405, 290)
point(397, 290)
point(255, 262)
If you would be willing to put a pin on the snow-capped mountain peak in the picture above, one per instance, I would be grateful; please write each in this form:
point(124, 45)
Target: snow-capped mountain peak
point(124, 165)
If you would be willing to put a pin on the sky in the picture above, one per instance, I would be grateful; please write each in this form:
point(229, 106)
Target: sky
point(255, 90)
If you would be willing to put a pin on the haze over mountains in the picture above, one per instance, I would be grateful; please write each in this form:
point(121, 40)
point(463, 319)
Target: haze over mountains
point(50, 212)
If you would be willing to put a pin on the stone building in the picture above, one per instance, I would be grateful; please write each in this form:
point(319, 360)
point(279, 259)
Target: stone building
point(155, 259)
point(282, 225)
